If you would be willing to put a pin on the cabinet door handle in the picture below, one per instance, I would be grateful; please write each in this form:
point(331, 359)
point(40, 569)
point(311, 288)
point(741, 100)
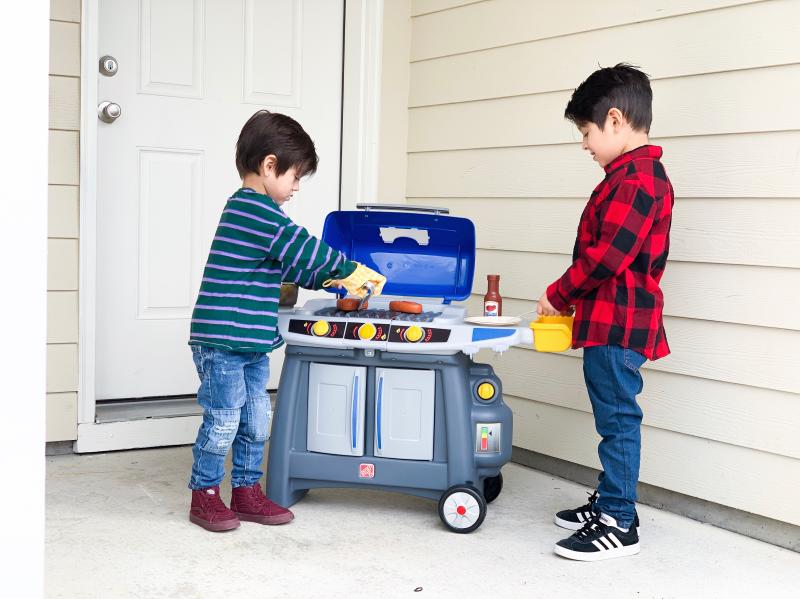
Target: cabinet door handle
point(354, 411)
point(378, 409)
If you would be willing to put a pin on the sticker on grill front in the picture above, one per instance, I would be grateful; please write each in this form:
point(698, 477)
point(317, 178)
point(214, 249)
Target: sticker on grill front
point(318, 328)
point(366, 331)
point(411, 334)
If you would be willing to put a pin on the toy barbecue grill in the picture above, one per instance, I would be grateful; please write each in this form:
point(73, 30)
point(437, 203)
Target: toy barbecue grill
point(383, 399)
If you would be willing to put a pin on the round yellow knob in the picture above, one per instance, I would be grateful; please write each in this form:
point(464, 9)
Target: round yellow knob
point(320, 328)
point(413, 334)
point(367, 331)
point(486, 391)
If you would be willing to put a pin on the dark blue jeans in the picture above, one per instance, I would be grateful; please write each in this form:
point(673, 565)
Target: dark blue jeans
point(613, 381)
point(236, 414)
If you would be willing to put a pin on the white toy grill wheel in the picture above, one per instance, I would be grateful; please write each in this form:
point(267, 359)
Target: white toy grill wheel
point(462, 509)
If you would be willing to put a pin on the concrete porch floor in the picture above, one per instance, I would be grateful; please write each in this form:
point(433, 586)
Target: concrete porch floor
point(117, 527)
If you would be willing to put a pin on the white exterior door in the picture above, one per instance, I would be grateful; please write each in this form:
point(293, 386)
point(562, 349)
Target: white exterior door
point(190, 74)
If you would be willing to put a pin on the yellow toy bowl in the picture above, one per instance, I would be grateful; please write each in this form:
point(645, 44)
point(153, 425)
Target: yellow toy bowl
point(552, 333)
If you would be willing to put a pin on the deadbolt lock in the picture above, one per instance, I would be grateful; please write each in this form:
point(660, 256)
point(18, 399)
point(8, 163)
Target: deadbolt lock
point(108, 65)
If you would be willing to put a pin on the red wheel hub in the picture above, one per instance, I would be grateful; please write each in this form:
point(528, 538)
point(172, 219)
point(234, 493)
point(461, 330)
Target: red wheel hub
point(461, 510)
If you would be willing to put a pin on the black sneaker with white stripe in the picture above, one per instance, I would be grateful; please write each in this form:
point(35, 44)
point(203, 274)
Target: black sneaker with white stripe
point(576, 518)
point(599, 539)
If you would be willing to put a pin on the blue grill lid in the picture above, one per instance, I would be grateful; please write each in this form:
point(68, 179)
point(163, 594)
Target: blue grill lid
point(421, 255)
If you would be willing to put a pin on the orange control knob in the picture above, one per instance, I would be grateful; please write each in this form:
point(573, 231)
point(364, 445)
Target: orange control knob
point(367, 331)
point(414, 334)
point(320, 328)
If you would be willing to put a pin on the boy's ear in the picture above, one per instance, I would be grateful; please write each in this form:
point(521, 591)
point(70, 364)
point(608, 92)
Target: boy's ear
point(269, 163)
point(616, 117)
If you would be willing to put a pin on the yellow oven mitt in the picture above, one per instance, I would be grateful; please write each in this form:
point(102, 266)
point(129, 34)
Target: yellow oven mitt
point(355, 283)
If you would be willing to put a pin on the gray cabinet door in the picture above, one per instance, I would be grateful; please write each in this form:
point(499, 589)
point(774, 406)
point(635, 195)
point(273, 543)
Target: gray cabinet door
point(404, 402)
point(336, 409)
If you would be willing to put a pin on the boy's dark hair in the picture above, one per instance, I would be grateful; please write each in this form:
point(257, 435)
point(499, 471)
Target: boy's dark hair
point(622, 86)
point(268, 133)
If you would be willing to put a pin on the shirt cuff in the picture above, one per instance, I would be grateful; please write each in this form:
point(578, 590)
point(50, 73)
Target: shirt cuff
point(556, 299)
point(343, 271)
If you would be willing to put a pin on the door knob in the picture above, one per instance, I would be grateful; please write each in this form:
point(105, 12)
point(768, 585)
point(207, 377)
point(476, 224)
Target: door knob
point(108, 111)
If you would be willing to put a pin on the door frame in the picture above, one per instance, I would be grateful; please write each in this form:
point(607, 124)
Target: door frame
point(361, 86)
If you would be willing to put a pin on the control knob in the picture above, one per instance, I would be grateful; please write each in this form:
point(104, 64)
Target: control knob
point(414, 334)
point(367, 331)
point(320, 328)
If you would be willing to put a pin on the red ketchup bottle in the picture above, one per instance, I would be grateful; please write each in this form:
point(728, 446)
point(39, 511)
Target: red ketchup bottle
point(492, 302)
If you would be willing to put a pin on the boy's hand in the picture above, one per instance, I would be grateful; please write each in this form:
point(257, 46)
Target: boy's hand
point(545, 308)
point(354, 284)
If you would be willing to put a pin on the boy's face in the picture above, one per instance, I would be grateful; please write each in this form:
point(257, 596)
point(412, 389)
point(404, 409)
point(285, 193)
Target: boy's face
point(281, 187)
point(604, 144)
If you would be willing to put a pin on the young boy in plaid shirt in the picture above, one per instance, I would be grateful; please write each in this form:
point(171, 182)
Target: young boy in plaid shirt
point(613, 284)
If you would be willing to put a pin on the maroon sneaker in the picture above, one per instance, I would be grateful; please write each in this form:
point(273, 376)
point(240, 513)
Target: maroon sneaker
point(209, 512)
point(250, 504)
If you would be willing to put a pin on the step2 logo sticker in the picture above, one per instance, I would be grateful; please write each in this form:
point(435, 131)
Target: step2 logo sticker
point(366, 471)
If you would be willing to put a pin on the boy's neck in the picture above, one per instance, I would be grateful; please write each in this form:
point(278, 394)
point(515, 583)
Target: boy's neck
point(636, 139)
point(255, 183)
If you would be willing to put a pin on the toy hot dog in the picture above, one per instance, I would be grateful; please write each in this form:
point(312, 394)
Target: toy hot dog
point(405, 306)
point(349, 304)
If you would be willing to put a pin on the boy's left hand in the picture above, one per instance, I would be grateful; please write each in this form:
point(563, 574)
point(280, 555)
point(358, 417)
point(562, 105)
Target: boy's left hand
point(545, 308)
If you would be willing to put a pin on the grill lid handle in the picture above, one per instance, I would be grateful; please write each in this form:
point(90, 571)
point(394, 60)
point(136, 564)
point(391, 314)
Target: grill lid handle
point(403, 207)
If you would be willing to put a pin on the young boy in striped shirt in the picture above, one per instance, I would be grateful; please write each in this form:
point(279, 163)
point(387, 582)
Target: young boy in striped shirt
point(613, 284)
point(234, 323)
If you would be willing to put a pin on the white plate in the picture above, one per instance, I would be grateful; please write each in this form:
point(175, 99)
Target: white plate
point(496, 321)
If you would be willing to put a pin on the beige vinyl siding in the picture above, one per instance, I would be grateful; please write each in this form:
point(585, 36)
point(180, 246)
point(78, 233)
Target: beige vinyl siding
point(63, 219)
point(487, 139)
point(393, 125)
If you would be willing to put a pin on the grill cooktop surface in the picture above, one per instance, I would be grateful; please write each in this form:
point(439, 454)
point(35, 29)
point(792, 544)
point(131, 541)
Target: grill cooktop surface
point(379, 314)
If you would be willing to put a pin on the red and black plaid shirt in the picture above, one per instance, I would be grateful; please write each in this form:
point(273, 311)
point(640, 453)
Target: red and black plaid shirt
point(619, 257)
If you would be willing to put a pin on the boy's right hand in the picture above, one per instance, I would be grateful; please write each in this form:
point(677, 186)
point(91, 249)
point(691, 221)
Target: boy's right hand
point(354, 284)
point(545, 308)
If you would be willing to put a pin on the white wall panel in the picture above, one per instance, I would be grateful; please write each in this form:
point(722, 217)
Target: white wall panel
point(726, 293)
point(62, 221)
point(63, 158)
point(421, 7)
point(751, 231)
point(62, 416)
point(65, 10)
point(62, 264)
point(65, 109)
point(562, 62)
point(717, 351)
point(762, 165)
point(477, 26)
point(62, 211)
point(753, 481)
point(62, 367)
point(685, 404)
point(62, 316)
point(65, 49)
point(747, 101)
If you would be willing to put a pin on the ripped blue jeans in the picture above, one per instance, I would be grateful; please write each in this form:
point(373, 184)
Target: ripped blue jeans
point(236, 414)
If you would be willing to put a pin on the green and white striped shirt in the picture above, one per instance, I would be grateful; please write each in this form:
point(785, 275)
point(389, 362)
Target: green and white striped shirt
point(256, 246)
